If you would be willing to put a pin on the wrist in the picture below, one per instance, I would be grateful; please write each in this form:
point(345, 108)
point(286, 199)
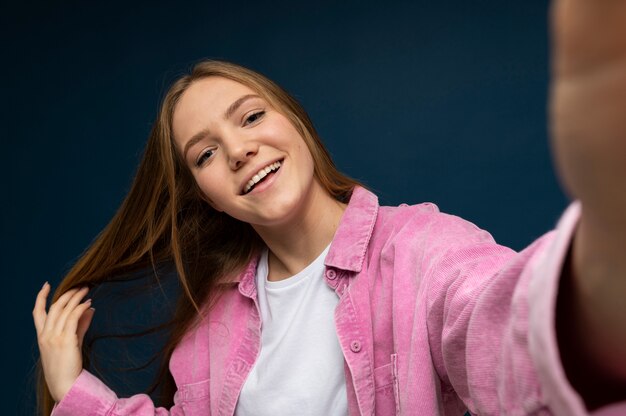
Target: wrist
point(584, 358)
point(60, 389)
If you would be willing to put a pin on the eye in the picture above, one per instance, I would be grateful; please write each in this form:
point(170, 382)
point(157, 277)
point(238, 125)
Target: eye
point(254, 117)
point(204, 156)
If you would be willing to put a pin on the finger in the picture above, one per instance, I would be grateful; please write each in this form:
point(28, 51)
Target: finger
point(83, 324)
point(71, 325)
point(57, 308)
point(39, 311)
point(69, 307)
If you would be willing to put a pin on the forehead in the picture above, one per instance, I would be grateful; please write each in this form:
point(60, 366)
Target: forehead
point(204, 100)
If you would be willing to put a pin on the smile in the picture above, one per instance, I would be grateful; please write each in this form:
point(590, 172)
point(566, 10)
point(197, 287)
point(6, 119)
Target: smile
point(260, 175)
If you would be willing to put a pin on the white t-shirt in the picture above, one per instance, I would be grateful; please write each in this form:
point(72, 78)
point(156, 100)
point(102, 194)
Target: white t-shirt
point(300, 369)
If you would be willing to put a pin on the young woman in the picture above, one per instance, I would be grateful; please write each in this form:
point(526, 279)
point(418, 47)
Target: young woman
point(303, 296)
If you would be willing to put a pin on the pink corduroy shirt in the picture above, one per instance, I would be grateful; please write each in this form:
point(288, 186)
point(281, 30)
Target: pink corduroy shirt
point(434, 318)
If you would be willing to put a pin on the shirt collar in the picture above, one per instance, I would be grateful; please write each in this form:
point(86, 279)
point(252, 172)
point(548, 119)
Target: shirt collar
point(347, 250)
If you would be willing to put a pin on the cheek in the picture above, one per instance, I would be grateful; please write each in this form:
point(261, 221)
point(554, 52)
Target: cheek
point(306, 157)
point(210, 193)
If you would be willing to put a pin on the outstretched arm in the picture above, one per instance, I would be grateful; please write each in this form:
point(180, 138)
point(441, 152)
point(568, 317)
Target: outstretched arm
point(588, 127)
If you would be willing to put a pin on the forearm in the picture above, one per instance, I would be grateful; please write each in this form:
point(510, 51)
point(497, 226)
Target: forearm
point(598, 273)
point(90, 396)
point(589, 328)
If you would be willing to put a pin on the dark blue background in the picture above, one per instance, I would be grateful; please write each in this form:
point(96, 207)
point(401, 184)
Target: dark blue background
point(441, 101)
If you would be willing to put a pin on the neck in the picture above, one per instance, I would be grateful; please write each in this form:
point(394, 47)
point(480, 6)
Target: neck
point(295, 244)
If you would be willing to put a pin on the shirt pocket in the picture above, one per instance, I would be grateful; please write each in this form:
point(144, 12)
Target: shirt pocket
point(195, 398)
point(386, 384)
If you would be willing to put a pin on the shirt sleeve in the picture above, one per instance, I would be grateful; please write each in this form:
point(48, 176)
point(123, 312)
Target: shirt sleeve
point(89, 396)
point(491, 325)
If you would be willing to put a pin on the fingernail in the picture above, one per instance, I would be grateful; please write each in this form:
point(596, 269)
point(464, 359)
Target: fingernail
point(44, 284)
point(88, 301)
point(93, 309)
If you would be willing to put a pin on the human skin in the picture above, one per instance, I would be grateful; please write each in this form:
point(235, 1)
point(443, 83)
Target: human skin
point(289, 209)
point(588, 132)
point(60, 334)
point(588, 98)
point(588, 113)
point(291, 212)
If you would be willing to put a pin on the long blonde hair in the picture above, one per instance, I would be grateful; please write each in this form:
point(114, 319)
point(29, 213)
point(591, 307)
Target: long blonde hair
point(164, 218)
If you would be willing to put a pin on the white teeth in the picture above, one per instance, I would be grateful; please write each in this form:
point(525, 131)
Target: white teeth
point(260, 175)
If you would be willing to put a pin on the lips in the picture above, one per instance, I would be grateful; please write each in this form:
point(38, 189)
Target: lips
point(260, 176)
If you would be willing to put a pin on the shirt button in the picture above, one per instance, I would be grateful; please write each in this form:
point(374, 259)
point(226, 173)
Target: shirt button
point(355, 346)
point(331, 274)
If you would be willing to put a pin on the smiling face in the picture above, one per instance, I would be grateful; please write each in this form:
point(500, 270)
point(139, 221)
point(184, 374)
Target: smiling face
point(246, 157)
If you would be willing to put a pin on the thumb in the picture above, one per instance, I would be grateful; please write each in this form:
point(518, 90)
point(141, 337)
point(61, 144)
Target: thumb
point(83, 324)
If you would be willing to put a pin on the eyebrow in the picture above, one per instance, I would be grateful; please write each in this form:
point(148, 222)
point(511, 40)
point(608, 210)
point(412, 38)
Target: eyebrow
point(234, 106)
point(227, 114)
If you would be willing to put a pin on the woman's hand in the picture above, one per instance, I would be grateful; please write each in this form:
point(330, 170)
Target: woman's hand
point(60, 334)
point(588, 106)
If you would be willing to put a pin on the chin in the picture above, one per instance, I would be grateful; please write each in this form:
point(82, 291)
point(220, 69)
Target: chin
point(283, 211)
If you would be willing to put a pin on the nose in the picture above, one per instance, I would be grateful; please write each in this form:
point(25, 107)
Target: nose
point(240, 151)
